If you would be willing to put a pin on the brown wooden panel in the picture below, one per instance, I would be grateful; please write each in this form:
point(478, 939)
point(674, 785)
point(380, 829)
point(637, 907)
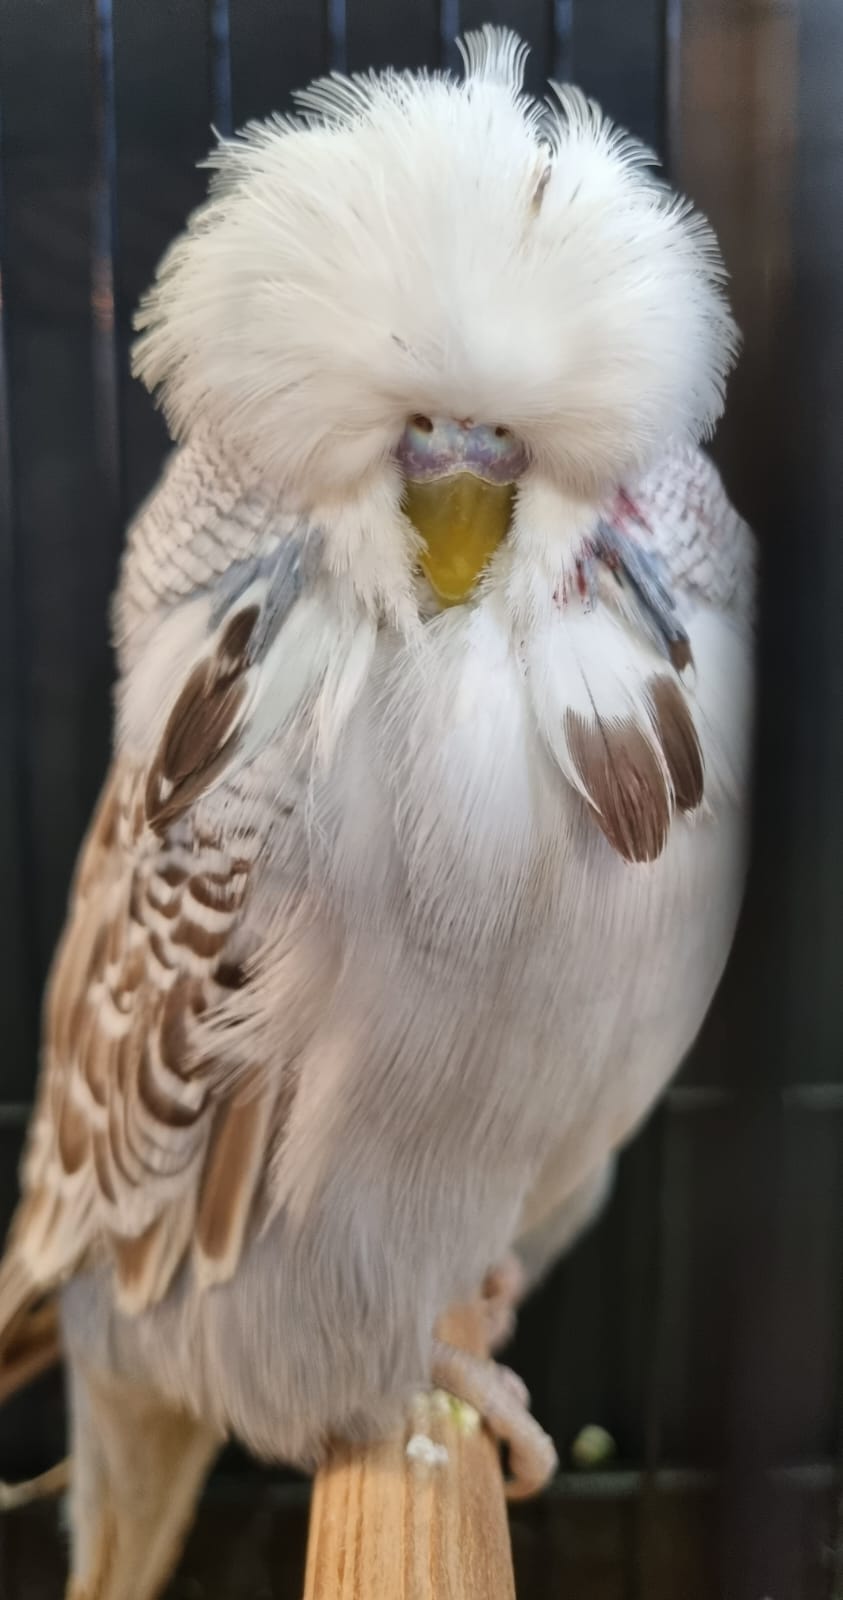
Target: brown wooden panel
point(731, 134)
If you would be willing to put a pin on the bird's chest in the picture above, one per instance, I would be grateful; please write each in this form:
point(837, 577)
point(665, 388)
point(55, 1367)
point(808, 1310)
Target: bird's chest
point(505, 983)
point(476, 886)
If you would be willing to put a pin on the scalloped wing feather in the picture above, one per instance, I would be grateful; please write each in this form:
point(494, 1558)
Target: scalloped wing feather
point(145, 1143)
point(128, 1098)
point(705, 545)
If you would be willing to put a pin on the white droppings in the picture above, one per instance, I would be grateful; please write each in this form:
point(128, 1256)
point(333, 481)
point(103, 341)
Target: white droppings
point(422, 1449)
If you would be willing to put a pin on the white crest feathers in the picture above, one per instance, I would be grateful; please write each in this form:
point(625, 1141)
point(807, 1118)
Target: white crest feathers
point(413, 242)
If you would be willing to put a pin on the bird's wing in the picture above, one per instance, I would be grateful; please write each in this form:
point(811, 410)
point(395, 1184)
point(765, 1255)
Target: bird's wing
point(143, 1144)
point(705, 546)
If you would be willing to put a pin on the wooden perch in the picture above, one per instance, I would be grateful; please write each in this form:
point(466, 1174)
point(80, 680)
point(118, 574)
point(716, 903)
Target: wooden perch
point(388, 1526)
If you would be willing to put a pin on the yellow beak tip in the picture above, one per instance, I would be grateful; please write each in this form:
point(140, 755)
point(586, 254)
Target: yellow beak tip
point(463, 520)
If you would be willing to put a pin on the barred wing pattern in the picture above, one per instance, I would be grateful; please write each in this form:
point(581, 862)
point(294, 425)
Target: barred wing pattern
point(143, 1143)
point(131, 1135)
point(706, 546)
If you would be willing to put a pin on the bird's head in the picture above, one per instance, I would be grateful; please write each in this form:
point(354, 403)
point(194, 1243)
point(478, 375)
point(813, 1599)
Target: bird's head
point(445, 287)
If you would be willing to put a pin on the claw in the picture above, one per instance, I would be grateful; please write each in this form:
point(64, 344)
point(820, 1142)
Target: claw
point(501, 1399)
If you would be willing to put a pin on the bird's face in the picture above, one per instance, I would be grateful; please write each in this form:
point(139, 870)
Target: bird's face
point(445, 289)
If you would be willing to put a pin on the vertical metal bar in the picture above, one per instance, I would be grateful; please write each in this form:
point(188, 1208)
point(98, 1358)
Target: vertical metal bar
point(835, 1520)
point(563, 32)
point(219, 41)
point(337, 37)
point(17, 872)
point(449, 27)
point(6, 541)
point(656, 1293)
point(671, 36)
point(106, 361)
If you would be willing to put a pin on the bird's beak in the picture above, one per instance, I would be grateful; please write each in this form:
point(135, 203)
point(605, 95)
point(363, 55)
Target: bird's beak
point(459, 493)
point(462, 521)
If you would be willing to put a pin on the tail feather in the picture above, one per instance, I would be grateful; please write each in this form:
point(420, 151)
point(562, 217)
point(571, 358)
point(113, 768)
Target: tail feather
point(29, 1328)
point(48, 1485)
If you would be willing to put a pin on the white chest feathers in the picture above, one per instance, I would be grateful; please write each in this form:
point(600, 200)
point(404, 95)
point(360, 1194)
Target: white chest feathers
point(482, 783)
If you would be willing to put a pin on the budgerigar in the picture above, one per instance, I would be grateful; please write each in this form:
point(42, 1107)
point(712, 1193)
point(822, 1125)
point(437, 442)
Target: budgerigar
point(421, 850)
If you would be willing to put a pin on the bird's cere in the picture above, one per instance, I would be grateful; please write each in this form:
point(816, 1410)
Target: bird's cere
point(431, 448)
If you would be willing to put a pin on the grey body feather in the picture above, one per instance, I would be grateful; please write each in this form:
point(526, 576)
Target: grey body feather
point(468, 1045)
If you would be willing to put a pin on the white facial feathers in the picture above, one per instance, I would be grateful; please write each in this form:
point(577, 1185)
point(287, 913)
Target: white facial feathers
point(415, 243)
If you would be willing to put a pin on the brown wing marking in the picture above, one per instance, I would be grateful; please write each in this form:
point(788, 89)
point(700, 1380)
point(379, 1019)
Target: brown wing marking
point(626, 783)
point(633, 781)
point(201, 732)
point(133, 1145)
point(679, 741)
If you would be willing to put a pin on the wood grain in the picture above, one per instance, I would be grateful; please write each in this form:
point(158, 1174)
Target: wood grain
point(383, 1527)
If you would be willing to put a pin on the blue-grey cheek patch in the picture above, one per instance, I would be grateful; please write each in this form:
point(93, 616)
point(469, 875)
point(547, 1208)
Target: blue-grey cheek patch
point(642, 572)
point(287, 572)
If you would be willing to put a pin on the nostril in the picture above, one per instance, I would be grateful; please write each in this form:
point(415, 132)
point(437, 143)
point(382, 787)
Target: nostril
point(502, 433)
point(422, 422)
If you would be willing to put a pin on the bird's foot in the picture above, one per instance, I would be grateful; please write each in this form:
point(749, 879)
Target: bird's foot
point(502, 1293)
point(502, 1401)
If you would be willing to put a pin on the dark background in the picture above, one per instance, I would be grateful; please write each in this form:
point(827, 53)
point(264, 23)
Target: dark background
point(701, 1322)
